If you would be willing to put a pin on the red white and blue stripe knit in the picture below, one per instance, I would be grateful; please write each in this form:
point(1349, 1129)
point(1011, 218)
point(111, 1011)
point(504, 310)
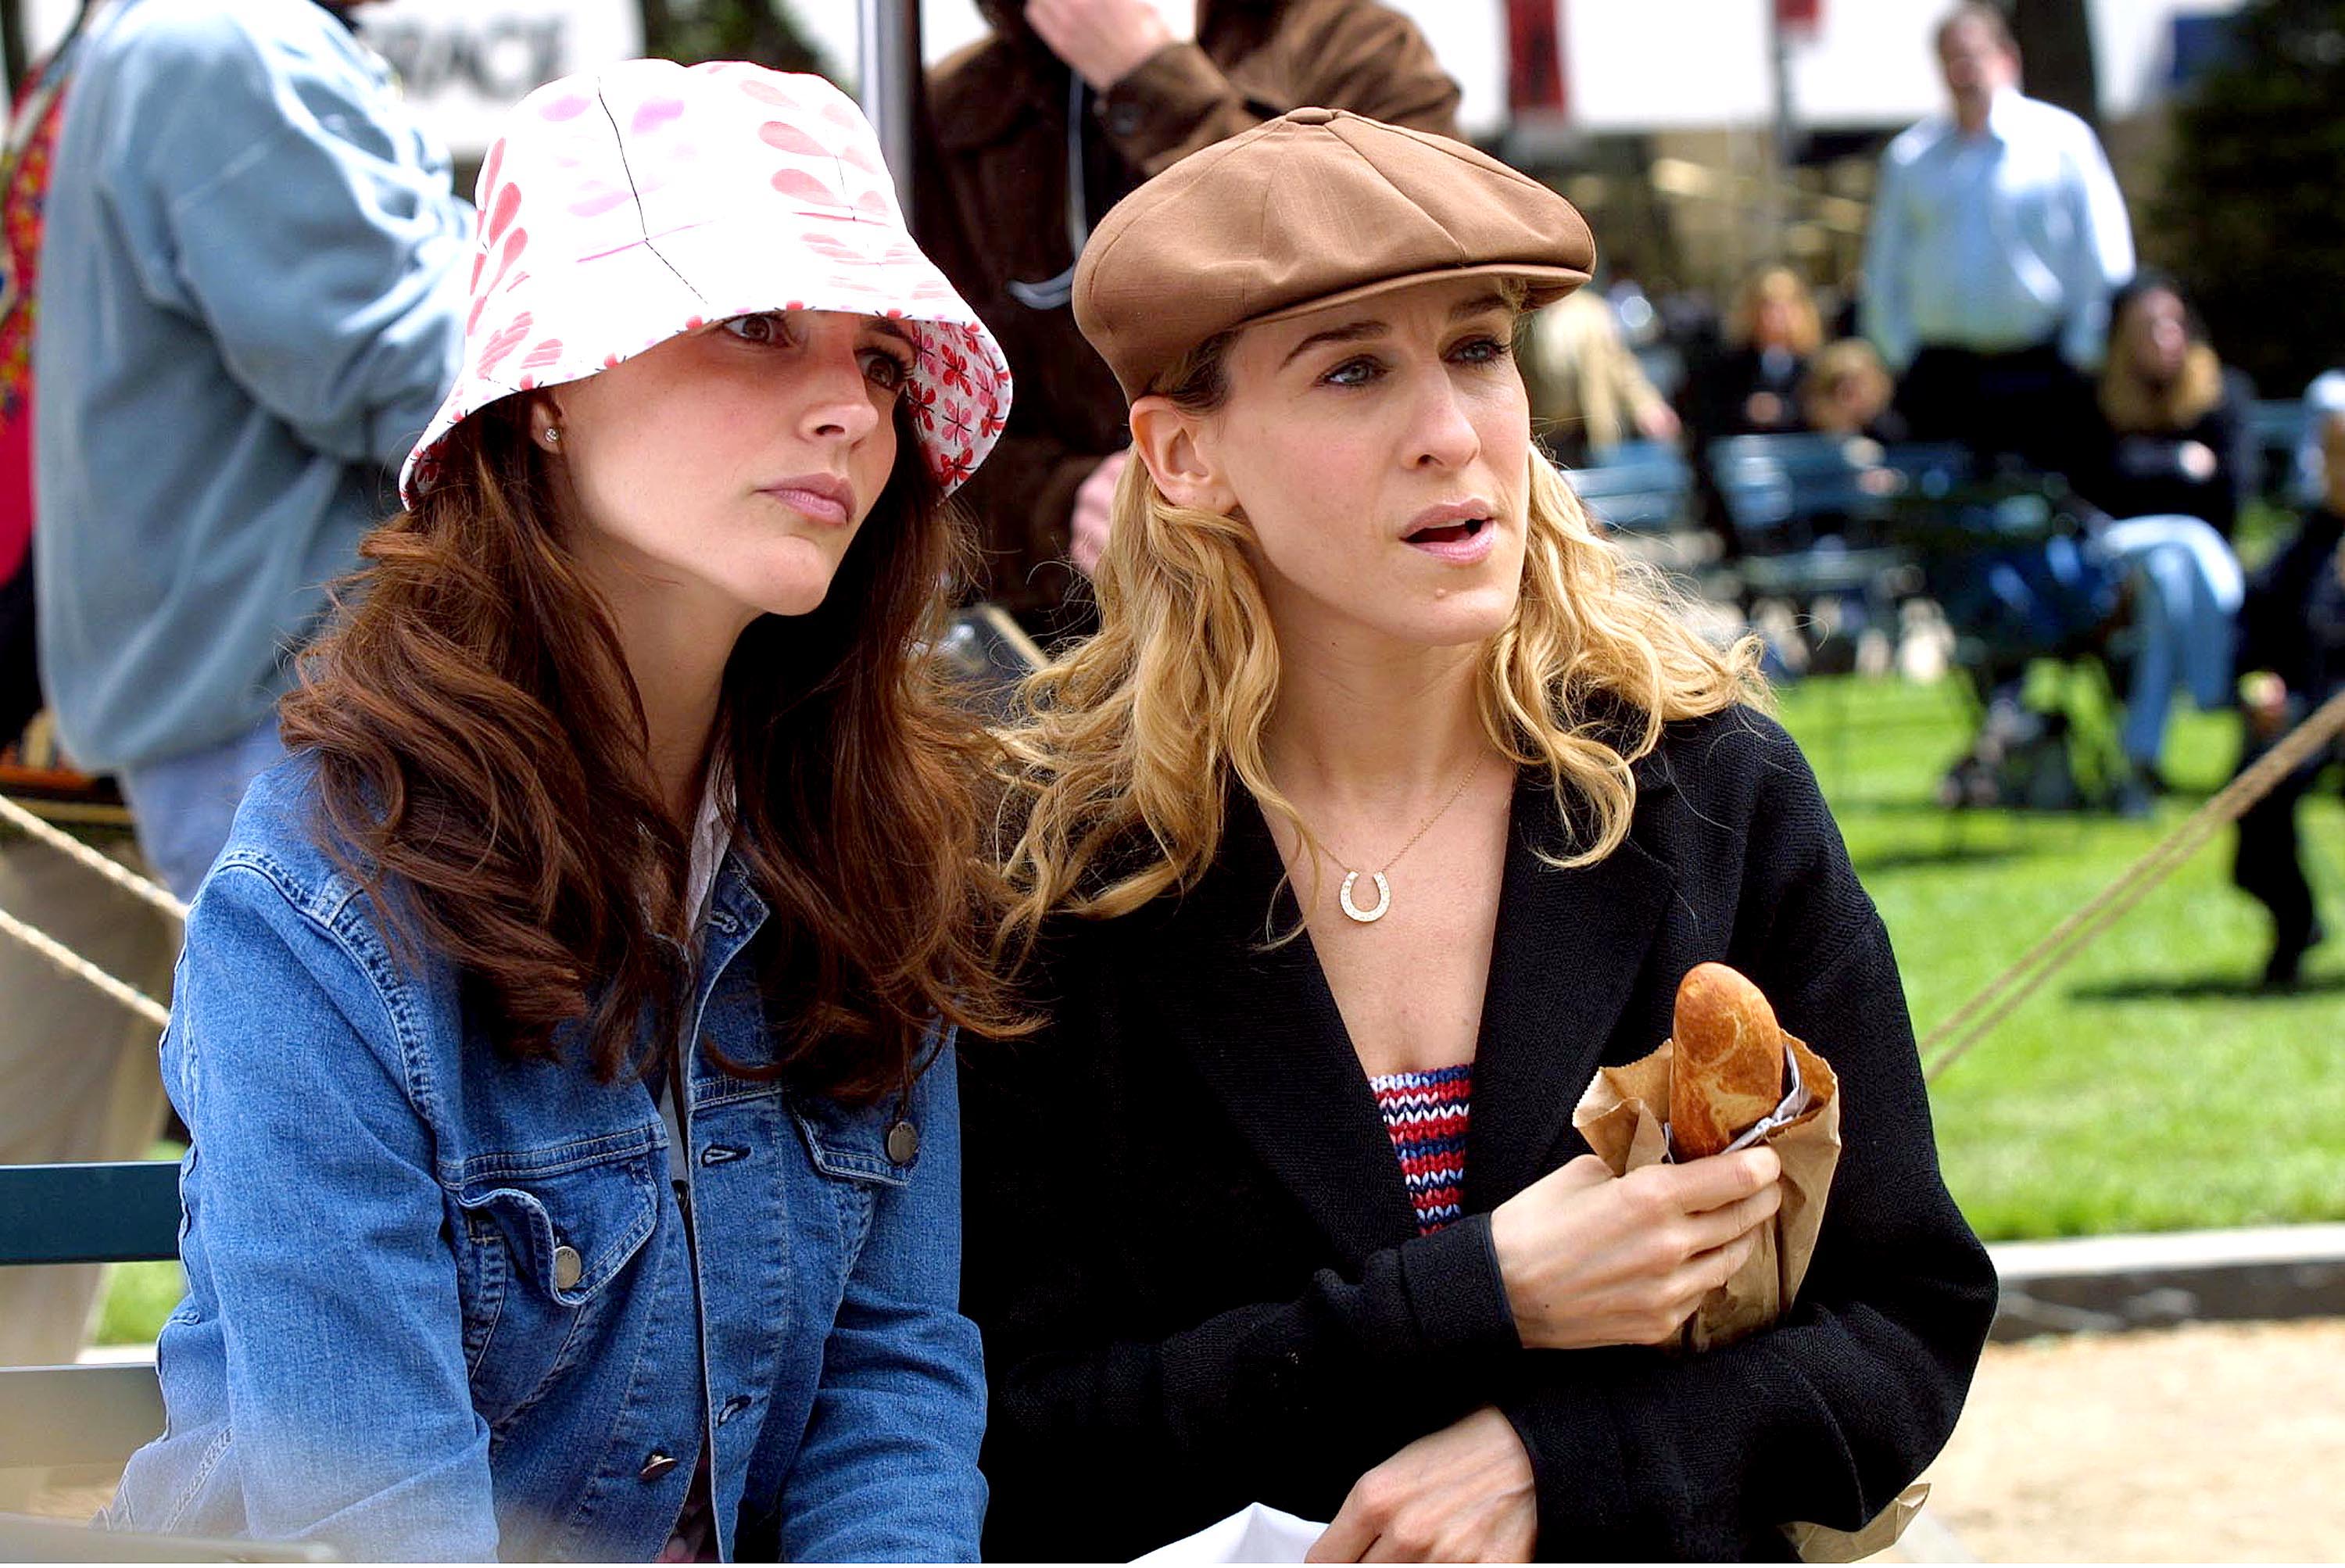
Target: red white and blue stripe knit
point(1425, 1115)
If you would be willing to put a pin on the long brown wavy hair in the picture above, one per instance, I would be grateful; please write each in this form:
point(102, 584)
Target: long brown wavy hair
point(483, 772)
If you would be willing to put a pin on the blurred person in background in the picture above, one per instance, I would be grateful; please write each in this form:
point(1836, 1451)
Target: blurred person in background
point(1752, 389)
point(2293, 649)
point(1587, 393)
point(2167, 431)
point(1846, 390)
point(1747, 380)
point(1998, 234)
point(2161, 448)
point(36, 111)
point(2324, 397)
point(1032, 135)
point(254, 299)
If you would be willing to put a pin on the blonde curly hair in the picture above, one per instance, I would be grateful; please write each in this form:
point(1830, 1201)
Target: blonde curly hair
point(1122, 752)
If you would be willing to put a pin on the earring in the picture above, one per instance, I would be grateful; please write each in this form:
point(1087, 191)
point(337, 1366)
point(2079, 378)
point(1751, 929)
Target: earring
point(551, 438)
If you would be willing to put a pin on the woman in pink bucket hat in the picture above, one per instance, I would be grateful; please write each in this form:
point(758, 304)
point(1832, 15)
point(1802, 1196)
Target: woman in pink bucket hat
point(573, 1171)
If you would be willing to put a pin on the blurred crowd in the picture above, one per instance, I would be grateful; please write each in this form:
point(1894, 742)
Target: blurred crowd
point(2084, 459)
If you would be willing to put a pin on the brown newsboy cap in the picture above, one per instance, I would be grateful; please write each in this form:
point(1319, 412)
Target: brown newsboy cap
point(1316, 208)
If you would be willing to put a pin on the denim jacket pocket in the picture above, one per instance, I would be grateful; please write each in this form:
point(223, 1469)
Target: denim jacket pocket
point(851, 1145)
point(852, 1142)
point(542, 1247)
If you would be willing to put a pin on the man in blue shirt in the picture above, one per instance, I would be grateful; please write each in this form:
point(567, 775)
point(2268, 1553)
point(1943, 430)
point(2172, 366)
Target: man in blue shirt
point(253, 305)
point(1998, 233)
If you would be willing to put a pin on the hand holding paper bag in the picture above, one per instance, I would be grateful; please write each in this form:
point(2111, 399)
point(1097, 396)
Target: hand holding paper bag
point(1589, 1260)
point(1710, 1079)
point(1624, 1116)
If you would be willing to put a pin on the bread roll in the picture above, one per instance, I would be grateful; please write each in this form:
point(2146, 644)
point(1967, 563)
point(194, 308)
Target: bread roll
point(1727, 1059)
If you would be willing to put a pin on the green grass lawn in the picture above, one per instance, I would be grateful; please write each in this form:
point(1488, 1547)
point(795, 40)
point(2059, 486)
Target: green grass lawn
point(2145, 1086)
point(139, 1296)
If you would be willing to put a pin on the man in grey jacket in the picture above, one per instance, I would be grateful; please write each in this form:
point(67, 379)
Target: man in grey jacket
point(254, 304)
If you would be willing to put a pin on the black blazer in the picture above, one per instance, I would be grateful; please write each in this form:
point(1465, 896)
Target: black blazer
point(1199, 1274)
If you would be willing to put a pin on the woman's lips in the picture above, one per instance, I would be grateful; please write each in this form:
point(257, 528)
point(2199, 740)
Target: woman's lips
point(1460, 543)
point(823, 501)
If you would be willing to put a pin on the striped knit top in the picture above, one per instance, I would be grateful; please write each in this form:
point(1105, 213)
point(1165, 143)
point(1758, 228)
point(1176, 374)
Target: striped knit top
point(1425, 1115)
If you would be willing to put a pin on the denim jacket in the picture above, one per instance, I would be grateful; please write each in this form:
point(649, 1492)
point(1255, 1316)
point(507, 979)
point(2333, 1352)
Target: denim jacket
point(442, 1306)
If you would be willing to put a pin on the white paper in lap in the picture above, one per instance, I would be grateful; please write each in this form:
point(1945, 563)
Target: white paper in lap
point(1259, 1533)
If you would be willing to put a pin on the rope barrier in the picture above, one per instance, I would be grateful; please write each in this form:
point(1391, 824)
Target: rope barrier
point(114, 871)
point(105, 866)
point(80, 968)
point(1972, 1022)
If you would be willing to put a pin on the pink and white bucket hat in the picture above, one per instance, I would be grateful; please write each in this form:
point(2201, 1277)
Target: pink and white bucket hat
point(630, 205)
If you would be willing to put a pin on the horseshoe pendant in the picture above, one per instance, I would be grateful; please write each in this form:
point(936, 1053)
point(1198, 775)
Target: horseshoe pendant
point(1368, 916)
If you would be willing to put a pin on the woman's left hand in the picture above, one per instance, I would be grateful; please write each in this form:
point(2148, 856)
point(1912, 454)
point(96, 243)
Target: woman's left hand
point(1464, 1494)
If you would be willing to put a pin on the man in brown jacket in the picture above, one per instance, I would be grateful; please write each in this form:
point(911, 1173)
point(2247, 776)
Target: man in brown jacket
point(1032, 135)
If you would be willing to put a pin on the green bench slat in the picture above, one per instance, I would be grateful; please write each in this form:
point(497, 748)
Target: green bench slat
point(76, 1415)
point(126, 1213)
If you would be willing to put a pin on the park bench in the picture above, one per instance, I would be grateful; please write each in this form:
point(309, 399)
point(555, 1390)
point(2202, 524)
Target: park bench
point(55, 1417)
point(1643, 494)
point(2007, 555)
point(126, 1213)
point(1639, 487)
point(1806, 510)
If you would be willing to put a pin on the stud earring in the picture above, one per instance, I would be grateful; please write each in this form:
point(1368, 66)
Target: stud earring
point(552, 437)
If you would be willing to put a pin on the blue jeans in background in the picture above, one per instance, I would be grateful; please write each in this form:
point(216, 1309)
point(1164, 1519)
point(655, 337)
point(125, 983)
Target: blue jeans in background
point(182, 807)
point(2189, 590)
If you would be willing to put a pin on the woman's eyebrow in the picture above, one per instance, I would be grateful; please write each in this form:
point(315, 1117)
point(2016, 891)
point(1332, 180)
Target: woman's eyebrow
point(893, 328)
point(1349, 333)
point(1370, 327)
point(1480, 303)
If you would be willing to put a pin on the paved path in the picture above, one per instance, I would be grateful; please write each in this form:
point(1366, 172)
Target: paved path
point(2221, 1442)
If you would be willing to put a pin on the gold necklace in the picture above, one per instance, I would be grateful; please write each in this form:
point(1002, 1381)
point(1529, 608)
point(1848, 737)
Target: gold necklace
point(1383, 905)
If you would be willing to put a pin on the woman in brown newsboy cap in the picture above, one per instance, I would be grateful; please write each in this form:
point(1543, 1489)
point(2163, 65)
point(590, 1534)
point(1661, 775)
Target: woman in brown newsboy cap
point(1389, 802)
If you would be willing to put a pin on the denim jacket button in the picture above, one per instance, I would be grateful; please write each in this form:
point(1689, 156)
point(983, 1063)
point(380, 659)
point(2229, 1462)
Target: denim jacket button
point(903, 1143)
point(655, 1465)
point(568, 1266)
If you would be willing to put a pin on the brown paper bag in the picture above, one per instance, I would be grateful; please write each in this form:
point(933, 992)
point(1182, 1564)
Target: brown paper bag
point(1624, 1117)
point(1815, 1544)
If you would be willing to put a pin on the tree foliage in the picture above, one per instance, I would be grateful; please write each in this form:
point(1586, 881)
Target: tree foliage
point(2055, 41)
point(758, 30)
point(2252, 217)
